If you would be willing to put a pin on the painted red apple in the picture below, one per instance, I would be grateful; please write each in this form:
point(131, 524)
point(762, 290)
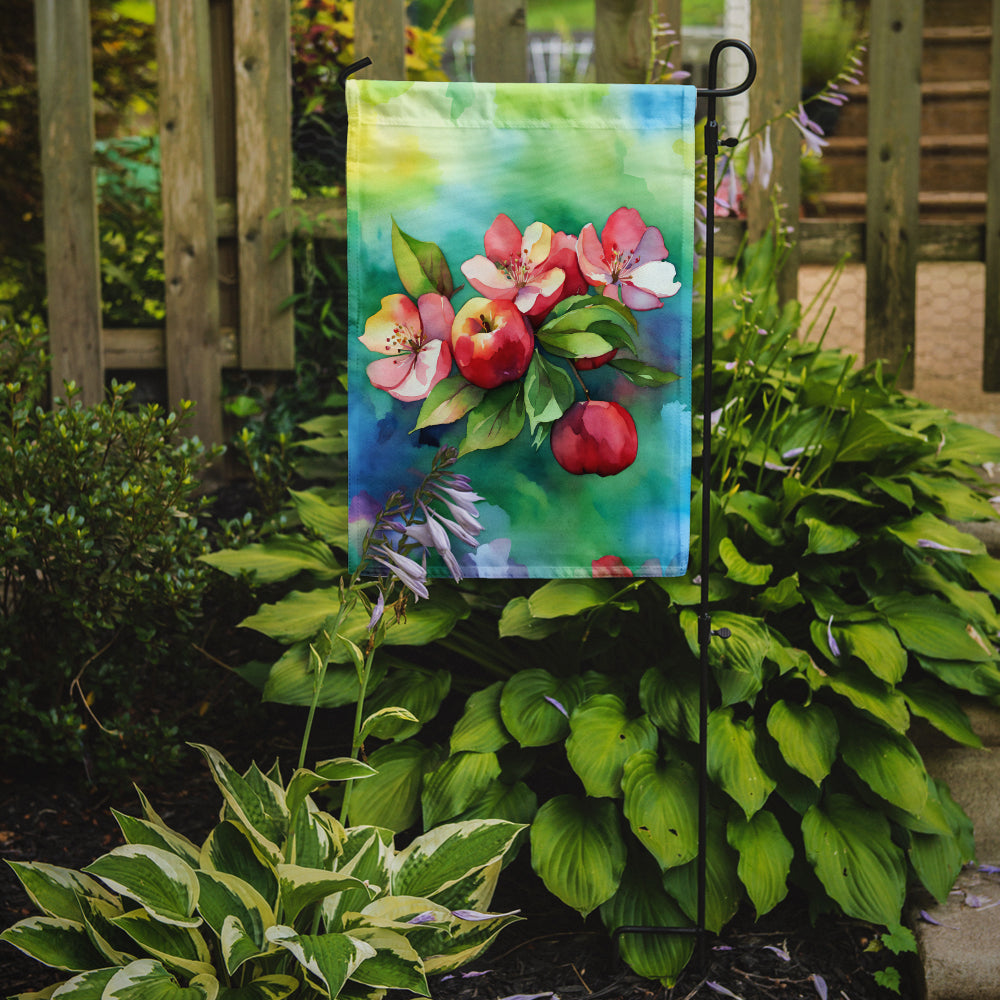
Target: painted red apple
point(595, 436)
point(491, 341)
point(589, 364)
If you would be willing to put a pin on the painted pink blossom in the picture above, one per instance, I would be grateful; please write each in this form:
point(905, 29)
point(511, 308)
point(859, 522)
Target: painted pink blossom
point(534, 270)
point(417, 340)
point(627, 260)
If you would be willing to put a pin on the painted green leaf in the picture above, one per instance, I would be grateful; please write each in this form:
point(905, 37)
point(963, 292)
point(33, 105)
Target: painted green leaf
point(395, 964)
point(574, 343)
point(330, 958)
point(738, 569)
point(888, 763)
point(450, 400)
point(455, 785)
point(641, 901)
point(807, 736)
point(932, 628)
point(558, 598)
point(671, 699)
point(827, 539)
point(327, 520)
point(179, 948)
point(159, 881)
point(577, 850)
point(643, 374)
point(279, 558)
point(661, 799)
point(765, 858)
point(548, 391)
point(939, 706)
point(498, 419)
point(391, 798)
point(535, 706)
point(602, 737)
point(732, 760)
point(850, 848)
point(55, 890)
point(928, 528)
point(422, 266)
point(54, 941)
point(147, 979)
point(481, 728)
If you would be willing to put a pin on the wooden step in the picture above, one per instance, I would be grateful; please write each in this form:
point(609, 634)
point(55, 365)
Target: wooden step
point(956, 53)
point(940, 13)
point(957, 206)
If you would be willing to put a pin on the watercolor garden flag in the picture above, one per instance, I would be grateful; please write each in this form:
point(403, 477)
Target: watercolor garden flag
point(520, 291)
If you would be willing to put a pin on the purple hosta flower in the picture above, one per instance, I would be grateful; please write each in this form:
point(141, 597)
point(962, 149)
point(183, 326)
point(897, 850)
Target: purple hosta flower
point(820, 984)
point(729, 195)
point(831, 642)
point(431, 535)
point(780, 952)
point(760, 165)
point(377, 612)
point(475, 915)
point(927, 918)
point(719, 988)
point(557, 704)
point(990, 869)
point(812, 134)
point(427, 917)
point(411, 574)
point(927, 543)
point(465, 975)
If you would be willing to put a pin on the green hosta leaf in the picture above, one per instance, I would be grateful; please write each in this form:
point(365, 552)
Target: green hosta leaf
point(86, 986)
point(671, 700)
point(98, 914)
point(640, 373)
point(976, 678)
point(141, 831)
point(986, 572)
point(888, 763)
point(783, 595)
point(807, 736)
point(738, 569)
point(865, 692)
point(976, 605)
point(548, 391)
point(517, 620)
point(180, 948)
point(279, 558)
point(292, 680)
point(931, 628)
point(456, 784)
point(760, 512)
point(928, 528)
point(869, 436)
point(54, 941)
point(850, 847)
point(421, 265)
point(601, 739)
point(330, 959)
point(723, 889)
point(941, 709)
point(876, 646)
point(732, 760)
point(516, 803)
point(366, 855)
point(937, 858)
point(327, 520)
point(828, 539)
point(661, 798)
point(163, 884)
point(395, 964)
point(535, 706)
point(56, 891)
point(481, 728)
point(238, 944)
point(641, 901)
point(225, 897)
point(496, 420)
point(965, 443)
point(301, 887)
point(230, 849)
point(893, 488)
point(450, 400)
point(559, 598)
point(578, 851)
point(274, 987)
point(738, 661)
point(957, 501)
point(147, 979)
point(440, 858)
point(391, 798)
point(304, 782)
point(387, 722)
point(765, 858)
point(416, 689)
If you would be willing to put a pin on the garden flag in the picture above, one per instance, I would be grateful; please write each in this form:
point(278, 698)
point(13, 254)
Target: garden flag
point(520, 269)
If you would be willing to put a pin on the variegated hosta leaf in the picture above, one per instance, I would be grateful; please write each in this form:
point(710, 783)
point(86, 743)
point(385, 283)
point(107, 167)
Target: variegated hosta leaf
point(850, 847)
point(86, 986)
point(315, 838)
point(230, 849)
point(116, 947)
point(807, 736)
point(602, 737)
point(395, 964)
point(304, 782)
point(661, 800)
point(765, 858)
point(732, 760)
point(301, 887)
point(467, 940)
point(888, 763)
point(476, 890)
point(158, 880)
point(256, 801)
point(329, 959)
point(367, 853)
point(441, 857)
point(54, 941)
point(578, 851)
point(535, 705)
point(391, 799)
point(147, 979)
point(481, 726)
point(274, 987)
point(642, 902)
point(456, 784)
point(56, 891)
point(225, 897)
point(177, 947)
point(141, 831)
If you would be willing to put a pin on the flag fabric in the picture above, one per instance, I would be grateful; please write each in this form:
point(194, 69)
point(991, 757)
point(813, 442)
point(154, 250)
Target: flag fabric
point(520, 288)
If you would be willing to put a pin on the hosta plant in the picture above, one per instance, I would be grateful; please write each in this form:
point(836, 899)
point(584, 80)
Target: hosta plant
point(279, 900)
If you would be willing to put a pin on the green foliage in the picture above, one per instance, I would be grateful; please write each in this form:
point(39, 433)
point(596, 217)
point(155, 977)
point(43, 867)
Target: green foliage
point(101, 587)
point(280, 899)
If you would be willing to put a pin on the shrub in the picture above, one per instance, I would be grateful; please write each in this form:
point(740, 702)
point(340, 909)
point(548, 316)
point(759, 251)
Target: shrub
point(99, 539)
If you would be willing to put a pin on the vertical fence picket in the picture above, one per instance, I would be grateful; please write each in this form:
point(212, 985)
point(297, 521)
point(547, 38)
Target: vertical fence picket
point(501, 41)
point(190, 253)
point(776, 33)
point(380, 34)
point(72, 257)
point(893, 183)
point(262, 63)
point(991, 333)
point(622, 38)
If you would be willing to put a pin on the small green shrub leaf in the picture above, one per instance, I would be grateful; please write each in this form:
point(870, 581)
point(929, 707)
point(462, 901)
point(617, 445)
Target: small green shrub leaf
point(850, 848)
point(807, 736)
point(732, 760)
point(577, 850)
point(765, 858)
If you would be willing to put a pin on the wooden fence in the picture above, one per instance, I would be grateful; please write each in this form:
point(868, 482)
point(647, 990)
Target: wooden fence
point(226, 162)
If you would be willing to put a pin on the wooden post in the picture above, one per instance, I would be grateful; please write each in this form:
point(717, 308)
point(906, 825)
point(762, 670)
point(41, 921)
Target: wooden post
point(991, 333)
point(893, 183)
point(623, 37)
point(776, 34)
point(72, 256)
point(380, 34)
point(190, 254)
point(261, 56)
point(501, 41)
